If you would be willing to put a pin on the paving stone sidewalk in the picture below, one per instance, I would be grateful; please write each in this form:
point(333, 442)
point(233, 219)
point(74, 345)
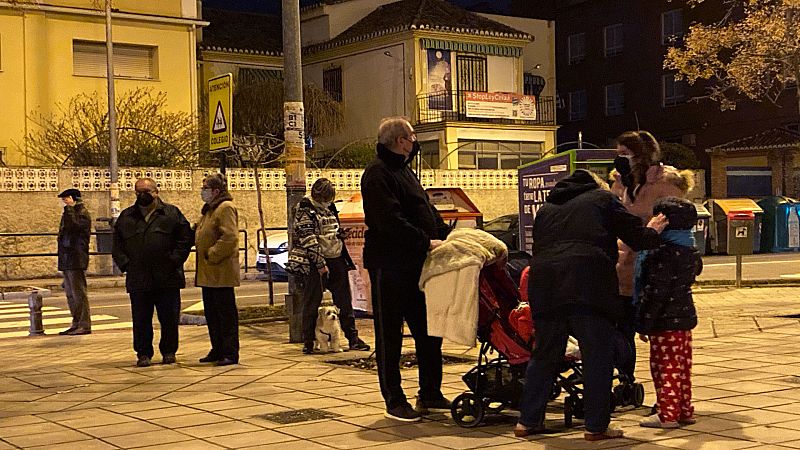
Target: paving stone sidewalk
point(85, 393)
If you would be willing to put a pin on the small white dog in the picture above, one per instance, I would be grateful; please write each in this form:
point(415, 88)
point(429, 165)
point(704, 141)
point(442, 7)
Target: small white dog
point(328, 331)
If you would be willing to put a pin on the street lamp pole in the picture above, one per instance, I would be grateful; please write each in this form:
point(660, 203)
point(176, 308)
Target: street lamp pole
point(113, 164)
point(294, 138)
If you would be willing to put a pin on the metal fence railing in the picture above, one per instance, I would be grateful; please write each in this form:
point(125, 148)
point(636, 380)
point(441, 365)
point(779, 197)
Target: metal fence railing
point(452, 107)
point(100, 237)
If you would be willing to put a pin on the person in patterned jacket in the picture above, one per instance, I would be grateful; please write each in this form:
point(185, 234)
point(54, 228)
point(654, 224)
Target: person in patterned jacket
point(318, 234)
point(665, 312)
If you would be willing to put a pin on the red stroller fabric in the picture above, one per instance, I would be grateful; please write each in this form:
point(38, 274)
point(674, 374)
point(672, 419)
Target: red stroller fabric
point(523, 284)
point(498, 302)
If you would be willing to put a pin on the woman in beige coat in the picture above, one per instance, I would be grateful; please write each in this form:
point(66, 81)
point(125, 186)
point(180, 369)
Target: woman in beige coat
point(640, 180)
point(217, 242)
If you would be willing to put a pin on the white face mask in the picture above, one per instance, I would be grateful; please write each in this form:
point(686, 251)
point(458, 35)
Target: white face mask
point(207, 195)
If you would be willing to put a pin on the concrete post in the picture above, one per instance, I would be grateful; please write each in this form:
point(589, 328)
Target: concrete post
point(294, 149)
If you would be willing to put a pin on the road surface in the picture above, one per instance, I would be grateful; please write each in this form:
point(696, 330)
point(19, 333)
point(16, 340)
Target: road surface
point(111, 308)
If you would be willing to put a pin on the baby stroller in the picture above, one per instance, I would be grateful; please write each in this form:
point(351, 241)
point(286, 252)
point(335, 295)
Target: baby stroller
point(497, 381)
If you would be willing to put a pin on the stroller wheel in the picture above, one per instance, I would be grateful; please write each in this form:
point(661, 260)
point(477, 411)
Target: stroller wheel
point(467, 410)
point(568, 412)
point(638, 394)
point(556, 391)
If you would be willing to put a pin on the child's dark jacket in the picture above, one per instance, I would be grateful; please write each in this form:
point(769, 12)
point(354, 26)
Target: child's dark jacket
point(668, 273)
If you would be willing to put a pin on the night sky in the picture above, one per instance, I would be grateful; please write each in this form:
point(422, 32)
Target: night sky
point(274, 6)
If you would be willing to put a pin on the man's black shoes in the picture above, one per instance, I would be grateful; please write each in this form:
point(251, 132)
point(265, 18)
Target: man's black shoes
point(426, 406)
point(210, 357)
point(168, 359)
point(143, 361)
point(358, 344)
point(403, 413)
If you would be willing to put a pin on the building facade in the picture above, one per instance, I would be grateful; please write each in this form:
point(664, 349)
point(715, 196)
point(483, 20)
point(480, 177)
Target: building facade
point(53, 50)
point(420, 59)
point(610, 56)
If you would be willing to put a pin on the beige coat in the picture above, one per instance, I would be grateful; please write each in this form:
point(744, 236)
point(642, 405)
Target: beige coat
point(662, 181)
point(217, 242)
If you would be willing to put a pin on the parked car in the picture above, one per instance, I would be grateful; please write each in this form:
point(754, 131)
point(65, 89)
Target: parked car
point(505, 228)
point(278, 244)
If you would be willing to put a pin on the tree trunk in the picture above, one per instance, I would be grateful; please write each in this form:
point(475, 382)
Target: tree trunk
point(263, 233)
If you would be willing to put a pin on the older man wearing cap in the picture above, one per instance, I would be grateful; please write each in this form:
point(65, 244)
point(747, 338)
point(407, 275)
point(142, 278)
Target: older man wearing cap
point(73, 259)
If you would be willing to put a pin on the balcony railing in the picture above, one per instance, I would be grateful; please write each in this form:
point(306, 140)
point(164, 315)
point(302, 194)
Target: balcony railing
point(452, 107)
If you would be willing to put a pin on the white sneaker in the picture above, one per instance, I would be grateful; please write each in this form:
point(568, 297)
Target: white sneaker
point(654, 422)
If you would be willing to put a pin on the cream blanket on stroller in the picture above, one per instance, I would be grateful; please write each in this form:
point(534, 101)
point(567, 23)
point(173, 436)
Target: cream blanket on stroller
point(450, 282)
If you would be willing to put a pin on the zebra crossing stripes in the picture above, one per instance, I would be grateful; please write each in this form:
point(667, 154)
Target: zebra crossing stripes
point(15, 320)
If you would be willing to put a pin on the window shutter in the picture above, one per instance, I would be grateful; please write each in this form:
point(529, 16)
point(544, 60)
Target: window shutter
point(130, 61)
point(89, 59)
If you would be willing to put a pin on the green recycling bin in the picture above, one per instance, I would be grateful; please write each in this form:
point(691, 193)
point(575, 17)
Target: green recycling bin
point(701, 228)
point(780, 230)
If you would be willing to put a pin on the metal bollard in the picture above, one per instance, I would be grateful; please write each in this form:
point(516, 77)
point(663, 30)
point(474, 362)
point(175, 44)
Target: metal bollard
point(35, 306)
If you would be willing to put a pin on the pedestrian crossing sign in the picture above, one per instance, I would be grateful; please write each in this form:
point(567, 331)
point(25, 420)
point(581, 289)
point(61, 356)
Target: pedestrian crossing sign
point(220, 110)
point(220, 124)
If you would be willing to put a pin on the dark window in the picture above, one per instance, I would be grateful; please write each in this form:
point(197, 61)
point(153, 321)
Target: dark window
point(749, 181)
point(576, 48)
point(472, 73)
point(612, 35)
point(577, 105)
point(671, 26)
point(615, 99)
point(332, 83)
point(533, 84)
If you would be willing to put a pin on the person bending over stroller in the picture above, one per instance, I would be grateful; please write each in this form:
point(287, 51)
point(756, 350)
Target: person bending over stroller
point(573, 290)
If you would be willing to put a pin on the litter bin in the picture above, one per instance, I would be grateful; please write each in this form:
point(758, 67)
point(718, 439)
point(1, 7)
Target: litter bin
point(719, 223)
point(741, 232)
point(781, 224)
point(104, 234)
point(701, 228)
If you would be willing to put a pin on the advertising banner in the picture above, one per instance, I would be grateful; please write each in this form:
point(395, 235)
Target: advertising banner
point(535, 183)
point(500, 105)
point(439, 80)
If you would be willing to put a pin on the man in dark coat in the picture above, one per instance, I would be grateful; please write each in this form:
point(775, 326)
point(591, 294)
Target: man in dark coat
point(402, 226)
point(73, 259)
point(573, 290)
point(152, 240)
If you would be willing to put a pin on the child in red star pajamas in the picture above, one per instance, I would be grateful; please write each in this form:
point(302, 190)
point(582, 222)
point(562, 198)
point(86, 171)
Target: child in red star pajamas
point(666, 313)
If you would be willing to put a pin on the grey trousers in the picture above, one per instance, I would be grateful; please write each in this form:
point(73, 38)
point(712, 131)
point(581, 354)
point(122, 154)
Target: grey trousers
point(77, 299)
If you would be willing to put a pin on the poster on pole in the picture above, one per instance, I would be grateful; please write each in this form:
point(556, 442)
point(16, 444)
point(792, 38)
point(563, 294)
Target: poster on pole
point(220, 112)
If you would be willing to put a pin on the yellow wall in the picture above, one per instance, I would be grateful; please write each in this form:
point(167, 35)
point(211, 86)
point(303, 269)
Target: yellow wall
point(36, 69)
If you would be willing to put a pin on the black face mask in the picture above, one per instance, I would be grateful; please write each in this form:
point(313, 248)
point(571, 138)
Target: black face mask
point(623, 165)
point(415, 149)
point(144, 199)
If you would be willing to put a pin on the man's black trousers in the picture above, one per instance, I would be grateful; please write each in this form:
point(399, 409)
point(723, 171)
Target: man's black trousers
point(167, 303)
point(396, 297)
point(222, 318)
point(338, 282)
